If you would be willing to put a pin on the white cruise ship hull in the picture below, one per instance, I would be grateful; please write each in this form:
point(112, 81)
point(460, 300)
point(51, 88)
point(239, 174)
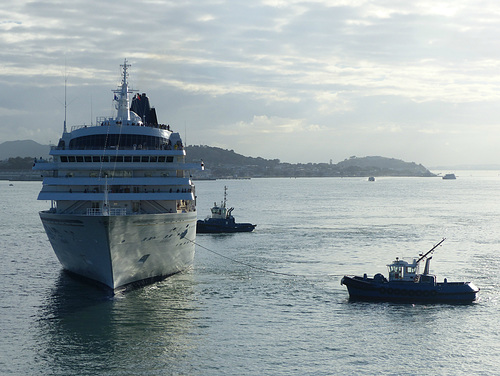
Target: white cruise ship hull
point(124, 249)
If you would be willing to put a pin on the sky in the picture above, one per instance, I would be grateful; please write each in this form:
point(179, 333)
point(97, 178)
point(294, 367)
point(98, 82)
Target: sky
point(299, 81)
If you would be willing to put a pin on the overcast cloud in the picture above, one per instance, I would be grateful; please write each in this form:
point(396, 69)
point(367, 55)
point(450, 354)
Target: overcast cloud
point(302, 81)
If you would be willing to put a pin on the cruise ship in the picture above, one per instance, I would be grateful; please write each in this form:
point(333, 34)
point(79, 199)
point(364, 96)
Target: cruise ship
point(123, 205)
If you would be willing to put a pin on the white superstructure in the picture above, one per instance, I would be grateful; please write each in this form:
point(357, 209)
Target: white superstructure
point(123, 207)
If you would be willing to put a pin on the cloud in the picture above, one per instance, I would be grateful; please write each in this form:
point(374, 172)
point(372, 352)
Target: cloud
point(266, 125)
point(319, 72)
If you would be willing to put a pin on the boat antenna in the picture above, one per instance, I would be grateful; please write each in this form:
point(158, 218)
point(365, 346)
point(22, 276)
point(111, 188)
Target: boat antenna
point(65, 130)
point(225, 194)
point(91, 114)
point(430, 251)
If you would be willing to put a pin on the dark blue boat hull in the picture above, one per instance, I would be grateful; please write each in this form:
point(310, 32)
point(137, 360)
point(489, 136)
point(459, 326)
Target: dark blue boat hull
point(368, 289)
point(221, 226)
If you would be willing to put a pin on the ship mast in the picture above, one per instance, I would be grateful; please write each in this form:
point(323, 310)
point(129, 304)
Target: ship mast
point(122, 98)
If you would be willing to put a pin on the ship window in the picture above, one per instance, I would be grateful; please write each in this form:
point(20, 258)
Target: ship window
point(123, 141)
point(114, 159)
point(64, 158)
point(161, 159)
point(105, 159)
point(88, 159)
point(170, 159)
point(410, 269)
point(127, 159)
point(79, 158)
point(394, 268)
point(96, 159)
point(145, 159)
point(137, 159)
point(71, 158)
point(153, 159)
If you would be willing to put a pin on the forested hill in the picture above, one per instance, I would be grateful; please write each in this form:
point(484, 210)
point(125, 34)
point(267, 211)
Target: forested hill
point(226, 163)
point(214, 155)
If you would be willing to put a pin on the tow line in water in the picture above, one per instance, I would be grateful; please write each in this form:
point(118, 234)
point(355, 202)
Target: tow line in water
point(244, 263)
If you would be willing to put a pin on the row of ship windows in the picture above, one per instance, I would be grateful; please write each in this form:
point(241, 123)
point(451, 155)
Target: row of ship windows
point(120, 189)
point(118, 158)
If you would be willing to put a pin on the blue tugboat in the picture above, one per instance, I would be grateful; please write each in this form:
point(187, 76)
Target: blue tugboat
point(405, 284)
point(222, 221)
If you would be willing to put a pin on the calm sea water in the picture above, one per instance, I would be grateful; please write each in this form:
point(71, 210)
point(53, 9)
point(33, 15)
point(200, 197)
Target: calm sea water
point(226, 318)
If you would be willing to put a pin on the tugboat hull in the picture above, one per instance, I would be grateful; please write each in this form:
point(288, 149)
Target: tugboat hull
point(373, 289)
point(211, 226)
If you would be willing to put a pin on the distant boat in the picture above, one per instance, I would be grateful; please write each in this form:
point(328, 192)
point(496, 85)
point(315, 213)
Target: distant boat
point(449, 177)
point(371, 178)
point(407, 285)
point(222, 221)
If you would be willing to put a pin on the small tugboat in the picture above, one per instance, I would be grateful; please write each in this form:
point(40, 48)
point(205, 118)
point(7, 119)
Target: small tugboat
point(405, 284)
point(449, 177)
point(222, 221)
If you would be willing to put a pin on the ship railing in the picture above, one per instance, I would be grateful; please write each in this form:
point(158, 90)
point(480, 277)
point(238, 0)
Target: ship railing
point(100, 212)
point(123, 147)
point(103, 121)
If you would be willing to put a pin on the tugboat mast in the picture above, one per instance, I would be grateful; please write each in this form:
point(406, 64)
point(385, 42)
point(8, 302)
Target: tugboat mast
point(430, 251)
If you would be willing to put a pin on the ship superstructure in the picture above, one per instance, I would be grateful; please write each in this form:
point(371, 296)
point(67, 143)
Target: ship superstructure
point(123, 206)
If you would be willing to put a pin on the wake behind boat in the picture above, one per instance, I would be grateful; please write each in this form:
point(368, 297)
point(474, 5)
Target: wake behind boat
point(123, 207)
point(405, 284)
point(222, 221)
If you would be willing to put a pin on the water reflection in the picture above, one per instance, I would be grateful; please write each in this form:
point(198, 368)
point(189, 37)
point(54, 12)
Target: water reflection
point(81, 327)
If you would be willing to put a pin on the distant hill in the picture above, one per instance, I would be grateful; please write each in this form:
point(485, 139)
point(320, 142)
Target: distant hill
point(226, 163)
point(384, 166)
point(23, 148)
